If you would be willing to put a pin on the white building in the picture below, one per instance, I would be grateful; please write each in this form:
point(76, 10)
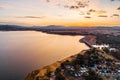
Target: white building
point(113, 49)
point(101, 46)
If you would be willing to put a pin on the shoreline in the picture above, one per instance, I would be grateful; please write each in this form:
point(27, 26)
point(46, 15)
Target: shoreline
point(52, 67)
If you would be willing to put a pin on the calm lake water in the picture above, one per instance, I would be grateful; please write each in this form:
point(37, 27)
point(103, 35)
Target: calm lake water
point(24, 51)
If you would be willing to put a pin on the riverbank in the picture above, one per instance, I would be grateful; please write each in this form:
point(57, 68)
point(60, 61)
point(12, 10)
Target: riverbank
point(50, 68)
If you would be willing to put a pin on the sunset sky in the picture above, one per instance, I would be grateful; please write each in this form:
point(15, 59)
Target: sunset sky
point(60, 12)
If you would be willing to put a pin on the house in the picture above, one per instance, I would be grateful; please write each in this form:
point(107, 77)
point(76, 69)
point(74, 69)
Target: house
point(113, 49)
point(101, 46)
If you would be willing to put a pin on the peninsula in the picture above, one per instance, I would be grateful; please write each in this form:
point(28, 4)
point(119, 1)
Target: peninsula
point(100, 62)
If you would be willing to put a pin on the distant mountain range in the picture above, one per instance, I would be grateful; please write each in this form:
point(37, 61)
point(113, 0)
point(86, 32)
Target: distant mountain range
point(12, 28)
point(53, 27)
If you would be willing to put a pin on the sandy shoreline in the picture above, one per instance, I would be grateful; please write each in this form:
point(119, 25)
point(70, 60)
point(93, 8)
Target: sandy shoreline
point(52, 67)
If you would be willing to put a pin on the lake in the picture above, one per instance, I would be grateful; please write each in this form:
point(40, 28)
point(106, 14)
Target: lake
point(24, 51)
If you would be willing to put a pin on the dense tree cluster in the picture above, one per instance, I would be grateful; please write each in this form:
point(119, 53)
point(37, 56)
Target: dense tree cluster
point(112, 40)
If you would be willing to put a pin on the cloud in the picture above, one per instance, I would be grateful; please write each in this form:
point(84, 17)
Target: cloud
point(88, 13)
point(81, 13)
point(48, 0)
point(1, 7)
point(37, 17)
point(118, 8)
point(102, 16)
point(87, 17)
point(115, 14)
point(73, 7)
point(5, 7)
point(71, 4)
point(96, 11)
point(101, 12)
point(77, 4)
point(114, 0)
point(92, 10)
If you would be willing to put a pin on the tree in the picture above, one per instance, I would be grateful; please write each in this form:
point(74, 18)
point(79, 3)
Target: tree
point(92, 76)
point(59, 76)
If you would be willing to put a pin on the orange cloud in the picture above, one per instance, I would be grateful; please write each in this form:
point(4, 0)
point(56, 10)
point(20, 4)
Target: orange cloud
point(72, 4)
point(102, 16)
point(5, 7)
point(96, 11)
point(31, 17)
point(115, 14)
point(118, 8)
point(87, 17)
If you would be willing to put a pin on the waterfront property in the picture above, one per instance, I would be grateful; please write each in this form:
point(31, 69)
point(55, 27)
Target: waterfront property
point(101, 46)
